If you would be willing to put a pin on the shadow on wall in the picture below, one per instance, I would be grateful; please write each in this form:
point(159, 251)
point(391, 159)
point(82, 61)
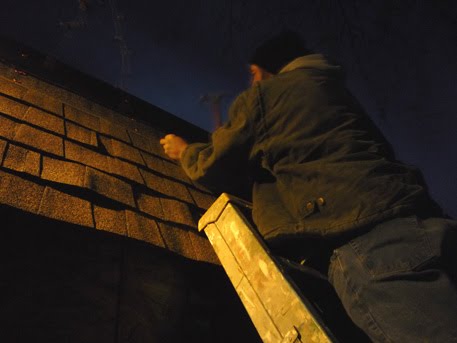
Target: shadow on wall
point(65, 283)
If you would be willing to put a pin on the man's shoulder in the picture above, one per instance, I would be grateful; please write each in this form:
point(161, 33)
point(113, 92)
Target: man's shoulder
point(247, 94)
point(246, 100)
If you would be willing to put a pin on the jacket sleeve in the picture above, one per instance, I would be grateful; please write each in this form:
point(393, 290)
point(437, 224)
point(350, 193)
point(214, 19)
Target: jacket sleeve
point(222, 163)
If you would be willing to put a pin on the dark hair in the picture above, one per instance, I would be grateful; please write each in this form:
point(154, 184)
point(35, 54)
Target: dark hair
point(273, 54)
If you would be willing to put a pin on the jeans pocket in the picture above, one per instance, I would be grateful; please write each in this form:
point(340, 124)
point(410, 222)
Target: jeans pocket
point(395, 246)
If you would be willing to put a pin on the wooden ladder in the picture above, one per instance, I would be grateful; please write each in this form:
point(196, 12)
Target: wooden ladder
point(274, 303)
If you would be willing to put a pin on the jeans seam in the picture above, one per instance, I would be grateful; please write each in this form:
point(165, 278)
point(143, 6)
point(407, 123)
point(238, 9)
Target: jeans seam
point(372, 324)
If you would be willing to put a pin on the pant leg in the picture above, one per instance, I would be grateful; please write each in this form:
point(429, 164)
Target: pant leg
point(392, 282)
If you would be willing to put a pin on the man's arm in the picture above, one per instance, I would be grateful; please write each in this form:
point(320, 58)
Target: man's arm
point(226, 156)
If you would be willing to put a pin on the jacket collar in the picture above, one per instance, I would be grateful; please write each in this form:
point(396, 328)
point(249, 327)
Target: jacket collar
point(313, 61)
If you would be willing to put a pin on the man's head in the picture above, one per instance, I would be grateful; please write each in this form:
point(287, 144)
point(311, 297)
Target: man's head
point(273, 54)
point(258, 73)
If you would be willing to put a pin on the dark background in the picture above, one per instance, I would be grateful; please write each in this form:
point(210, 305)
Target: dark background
point(399, 56)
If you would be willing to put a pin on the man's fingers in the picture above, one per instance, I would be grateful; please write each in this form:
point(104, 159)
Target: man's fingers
point(167, 138)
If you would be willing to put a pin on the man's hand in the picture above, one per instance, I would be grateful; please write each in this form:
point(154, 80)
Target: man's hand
point(173, 146)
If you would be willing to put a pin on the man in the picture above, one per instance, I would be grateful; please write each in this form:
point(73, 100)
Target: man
point(321, 172)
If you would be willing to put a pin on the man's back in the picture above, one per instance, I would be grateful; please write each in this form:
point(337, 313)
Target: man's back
point(330, 170)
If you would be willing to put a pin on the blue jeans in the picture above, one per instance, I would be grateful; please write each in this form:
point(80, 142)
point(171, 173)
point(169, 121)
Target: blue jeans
point(397, 282)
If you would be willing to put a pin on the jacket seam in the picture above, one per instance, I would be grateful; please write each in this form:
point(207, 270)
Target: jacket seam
point(383, 215)
point(263, 119)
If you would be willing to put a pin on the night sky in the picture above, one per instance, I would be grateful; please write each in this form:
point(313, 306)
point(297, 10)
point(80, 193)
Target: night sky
point(400, 58)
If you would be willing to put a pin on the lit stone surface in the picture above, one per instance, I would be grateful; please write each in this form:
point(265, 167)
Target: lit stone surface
point(22, 160)
point(78, 153)
point(113, 130)
point(82, 118)
point(12, 108)
point(125, 170)
point(11, 88)
point(20, 193)
point(154, 163)
point(151, 205)
point(81, 134)
point(119, 149)
point(62, 206)
point(43, 101)
point(178, 212)
point(109, 186)
point(202, 247)
point(148, 144)
point(8, 127)
point(177, 239)
point(143, 228)
point(175, 171)
point(167, 187)
point(65, 172)
point(74, 160)
point(44, 120)
point(39, 139)
point(112, 220)
point(3, 144)
point(203, 200)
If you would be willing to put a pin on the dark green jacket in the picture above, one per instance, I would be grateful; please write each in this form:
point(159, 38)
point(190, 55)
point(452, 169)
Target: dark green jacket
point(318, 165)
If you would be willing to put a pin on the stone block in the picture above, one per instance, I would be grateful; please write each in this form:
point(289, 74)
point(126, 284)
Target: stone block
point(43, 101)
point(175, 171)
point(119, 149)
point(22, 160)
point(12, 108)
point(109, 186)
point(20, 193)
point(10, 74)
point(177, 212)
point(3, 144)
point(203, 249)
point(81, 134)
point(154, 163)
point(64, 172)
point(125, 170)
point(143, 228)
point(39, 139)
point(150, 204)
point(82, 118)
point(111, 220)
point(200, 187)
point(149, 144)
point(78, 153)
point(113, 130)
point(11, 88)
point(8, 127)
point(202, 200)
point(44, 120)
point(167, 187)
point(65, 207)
point(177, 240)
